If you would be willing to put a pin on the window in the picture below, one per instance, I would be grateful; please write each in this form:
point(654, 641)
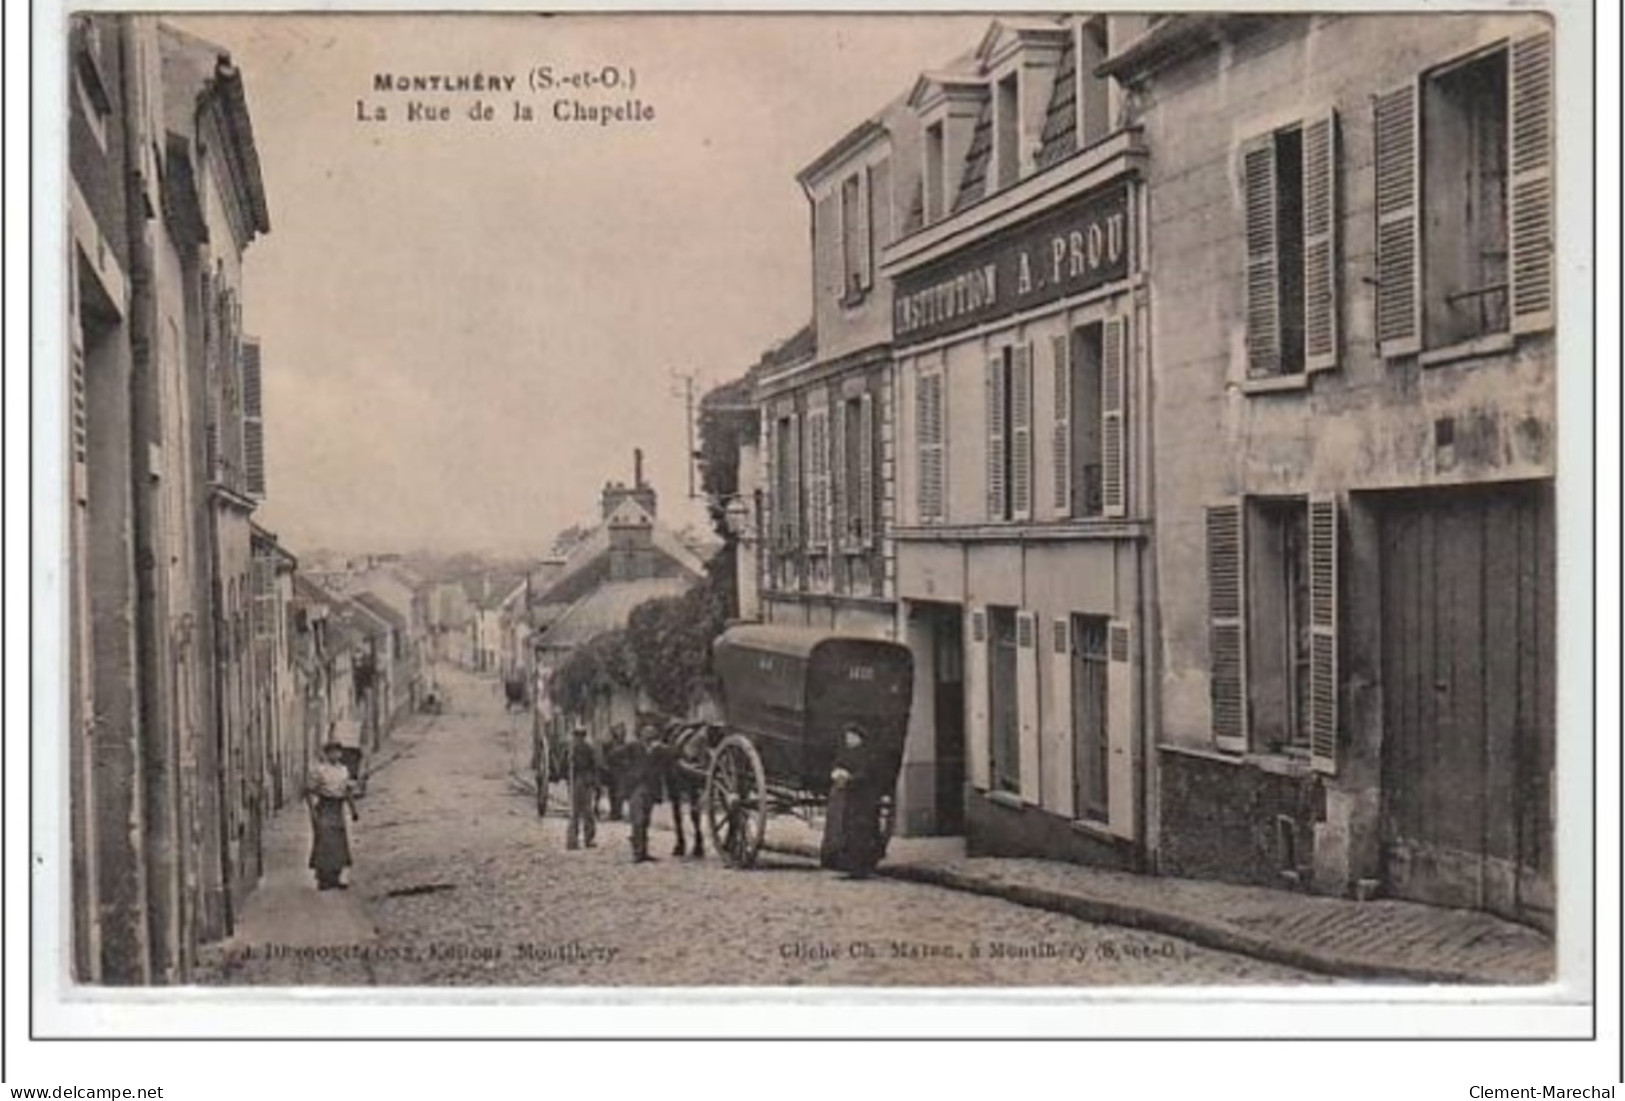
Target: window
point(90, 82)
point(1003, 705)
point(1464, 179)
point(1272, 566)
point(1094, 95)
point(786, 482)
point(1289, 187)
point(856, 245)
point(818, 480)
point(1089, 444)
point(928, 445)
point(1465, 232)
point(936, 200)
point(1009, 433)
point(1007, 130)
point(856, 471)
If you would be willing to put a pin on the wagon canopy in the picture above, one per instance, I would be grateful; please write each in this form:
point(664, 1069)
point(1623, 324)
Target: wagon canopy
point(792, 690)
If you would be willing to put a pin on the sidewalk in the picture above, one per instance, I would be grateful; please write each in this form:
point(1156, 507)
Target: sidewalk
point(1380, 939)
point(285, 913)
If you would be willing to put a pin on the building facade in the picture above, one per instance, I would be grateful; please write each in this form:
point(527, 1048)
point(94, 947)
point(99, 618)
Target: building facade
point(1023, 515)
point(165, 197)
point(1354, 404)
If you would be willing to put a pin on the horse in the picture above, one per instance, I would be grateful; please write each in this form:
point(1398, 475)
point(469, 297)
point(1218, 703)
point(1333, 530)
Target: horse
point(687, 754)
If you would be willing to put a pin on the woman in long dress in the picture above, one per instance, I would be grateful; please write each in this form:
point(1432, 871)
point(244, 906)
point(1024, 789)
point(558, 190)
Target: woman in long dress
point(330, 793)
point(852, 827)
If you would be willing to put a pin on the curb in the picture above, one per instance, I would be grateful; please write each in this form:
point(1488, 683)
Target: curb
point(1210, 934)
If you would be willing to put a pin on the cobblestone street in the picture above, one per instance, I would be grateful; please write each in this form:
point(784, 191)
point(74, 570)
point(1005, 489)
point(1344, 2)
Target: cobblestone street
point(466, 886)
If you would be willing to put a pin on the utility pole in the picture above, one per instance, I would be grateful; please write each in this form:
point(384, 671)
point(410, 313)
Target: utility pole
point(687, 380)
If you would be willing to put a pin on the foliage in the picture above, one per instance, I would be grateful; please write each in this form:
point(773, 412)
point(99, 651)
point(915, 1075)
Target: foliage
point(670, 643)
point(565, 541)
point(601, 665)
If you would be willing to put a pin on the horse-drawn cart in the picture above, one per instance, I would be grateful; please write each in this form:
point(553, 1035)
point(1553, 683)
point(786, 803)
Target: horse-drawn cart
point(789, 693)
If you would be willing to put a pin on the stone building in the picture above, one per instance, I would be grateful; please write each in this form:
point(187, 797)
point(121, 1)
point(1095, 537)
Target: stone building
point(1354, 401)
point(1022, 480)
point(163, 393)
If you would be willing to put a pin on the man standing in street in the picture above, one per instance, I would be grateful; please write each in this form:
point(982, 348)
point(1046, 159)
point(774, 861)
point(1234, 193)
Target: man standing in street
point(641, 771)
point(581, 769)
point(614, 777)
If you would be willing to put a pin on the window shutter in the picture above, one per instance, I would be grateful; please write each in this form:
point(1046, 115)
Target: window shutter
point(1399, 272)
point(1262, 282)
point(1227, 626)
point(79, 429)
point(1320, 337)
point(1323, 665)
point(1532, 233)
point(818, 478)
point(772, 510)
point(1061, 439)
point(978, 748)
point(864, 242)
point(1021, 433)
point(1027, 760)
point(792, 517)
point(995, 438)
point(829, 247)
point(840, 479)
point(1113, 417)
point(880, 209)
point(1122, 795)
point(928, 445)
point(253, 419)
point(1059, 796)
point(868, 535)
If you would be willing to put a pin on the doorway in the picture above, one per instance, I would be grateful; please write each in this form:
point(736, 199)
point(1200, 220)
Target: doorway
point(948, 700)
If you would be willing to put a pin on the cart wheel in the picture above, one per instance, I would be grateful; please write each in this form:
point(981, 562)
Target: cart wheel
point(736, 801)
point(544, 773)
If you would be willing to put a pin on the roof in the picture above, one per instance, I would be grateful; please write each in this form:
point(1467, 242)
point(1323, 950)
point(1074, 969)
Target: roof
point(782, 638)
point(608, 608)
point(380, 607)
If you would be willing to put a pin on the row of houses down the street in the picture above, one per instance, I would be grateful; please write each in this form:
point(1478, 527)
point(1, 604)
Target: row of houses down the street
point(1181, 390)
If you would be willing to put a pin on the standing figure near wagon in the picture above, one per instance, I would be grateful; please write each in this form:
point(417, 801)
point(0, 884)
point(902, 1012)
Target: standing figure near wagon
point(582, 765)
point(852, 832)
point(641, 766)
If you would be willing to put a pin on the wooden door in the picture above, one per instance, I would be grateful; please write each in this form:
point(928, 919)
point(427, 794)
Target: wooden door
point(1468, 638)
point(1089, 734)
point(948, 672)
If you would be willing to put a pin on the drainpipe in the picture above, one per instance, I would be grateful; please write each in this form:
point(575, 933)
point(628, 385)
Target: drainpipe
point(154, 763)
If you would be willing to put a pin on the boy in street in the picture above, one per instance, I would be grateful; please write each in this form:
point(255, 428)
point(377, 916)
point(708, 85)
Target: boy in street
point(641, 770)
point(581, 769)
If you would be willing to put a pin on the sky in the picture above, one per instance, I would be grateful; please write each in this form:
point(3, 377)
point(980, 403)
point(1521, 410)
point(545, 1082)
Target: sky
point(469, 325)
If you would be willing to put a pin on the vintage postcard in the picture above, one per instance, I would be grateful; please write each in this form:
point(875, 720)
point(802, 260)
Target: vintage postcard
point(1055, 502)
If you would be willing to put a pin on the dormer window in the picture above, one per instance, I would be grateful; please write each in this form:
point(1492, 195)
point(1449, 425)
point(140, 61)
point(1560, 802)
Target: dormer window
point(1007, 130)
point(935, 150)
point(857, 244)
point(1094, 92)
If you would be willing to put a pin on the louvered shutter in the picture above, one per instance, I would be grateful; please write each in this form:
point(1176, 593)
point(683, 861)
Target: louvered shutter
point(1532, 232)
point(818, 478)
point(928, 435)
point(978, 745)
point(864, 242)
point(1399, 244)
point(1027, 717)
point(1114, 417)
point(829, 247)
point(1320, 335)
point(868, 534)
point(1323, 664)
point(1262, 279)
point(79, 429)
point(840, 480)
point(1021, 432)
point(1059, 796)
point(253, 418)
point(1061, 432)
point(773, 508)
point(1122, 794)
point(1227, 626)
point(995, 439)
point(794, 505)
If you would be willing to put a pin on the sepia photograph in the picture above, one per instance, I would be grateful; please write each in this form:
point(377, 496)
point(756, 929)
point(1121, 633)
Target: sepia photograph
point(785, 500)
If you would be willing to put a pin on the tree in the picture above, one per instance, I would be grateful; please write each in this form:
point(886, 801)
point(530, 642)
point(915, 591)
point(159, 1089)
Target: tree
point(598, 666)
point(565, 541)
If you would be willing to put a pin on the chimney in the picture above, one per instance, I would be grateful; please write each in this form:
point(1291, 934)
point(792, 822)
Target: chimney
point(637, 468)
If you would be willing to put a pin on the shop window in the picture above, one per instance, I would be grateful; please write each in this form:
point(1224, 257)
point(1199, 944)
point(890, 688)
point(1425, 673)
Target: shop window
point(1465, 231)
point(1289, 191)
